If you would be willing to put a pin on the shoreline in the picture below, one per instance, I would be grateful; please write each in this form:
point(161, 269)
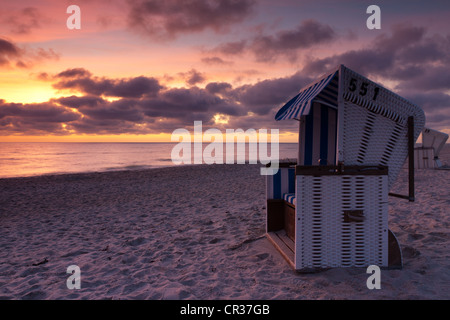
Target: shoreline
point(126, 169)
point(119, 170)
point(142, 168)
point(25, 160)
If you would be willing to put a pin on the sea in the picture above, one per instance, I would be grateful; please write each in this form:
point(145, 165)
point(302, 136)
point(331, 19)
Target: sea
point(23, 159)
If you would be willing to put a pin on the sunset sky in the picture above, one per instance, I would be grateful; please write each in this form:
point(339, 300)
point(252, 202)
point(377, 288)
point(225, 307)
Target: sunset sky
point(138, 70)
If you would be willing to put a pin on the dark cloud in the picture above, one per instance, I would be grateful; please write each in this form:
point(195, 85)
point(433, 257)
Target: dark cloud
point(22, 64)
point(254, 121)
point(182, 102)
point(81, 80)
point(24, 21)
point(218, 87)
point(36, 118)
point(138, 112)
point(436, 106)
point(8, 48)
point(402, 36)
point(11, 55)
point(428, 50)
point(86, 85)
point(40, 112)
point(140, 108)
point(192, 77)
point(366, 61)
point(8, 51)
point(43, 76)
point(429, 78)
point(285, 43)
point(41, 54)
point(122, 110)
point(145, 106)
point(134, 87)
point(79, 102)
point(267, 95)
point(169, 110)
point(404, 52)
point(418, 62)
point(90, 125)
point(75, 72)
point(166, 19)
point(215, 61)
point(232, 48)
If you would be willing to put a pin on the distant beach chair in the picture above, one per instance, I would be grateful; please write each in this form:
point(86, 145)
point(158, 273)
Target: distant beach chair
point(427, 155)
point(330, 209)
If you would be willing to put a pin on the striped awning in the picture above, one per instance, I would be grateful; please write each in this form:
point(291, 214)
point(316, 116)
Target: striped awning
point(324, 91)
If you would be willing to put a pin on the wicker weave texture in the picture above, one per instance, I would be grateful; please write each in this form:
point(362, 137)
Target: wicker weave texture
point(323, 237)
point(375, 124)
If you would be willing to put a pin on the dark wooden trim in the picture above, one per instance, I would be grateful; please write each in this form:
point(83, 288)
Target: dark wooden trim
point(411, 158)
point(289, 220)
point(289, 204)
point(340, 170)
point(411, 193)
point(284, 245)
point(282, 164)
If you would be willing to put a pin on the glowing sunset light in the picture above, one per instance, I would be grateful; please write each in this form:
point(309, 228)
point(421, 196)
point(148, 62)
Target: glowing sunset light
point(221, 119)
point(134, 72)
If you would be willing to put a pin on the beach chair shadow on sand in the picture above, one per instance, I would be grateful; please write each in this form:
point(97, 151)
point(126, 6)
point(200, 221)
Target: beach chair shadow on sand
point(330, 208)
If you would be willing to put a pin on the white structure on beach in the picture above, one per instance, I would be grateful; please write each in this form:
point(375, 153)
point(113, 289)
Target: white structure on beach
point(330, 209)
point(427, 155)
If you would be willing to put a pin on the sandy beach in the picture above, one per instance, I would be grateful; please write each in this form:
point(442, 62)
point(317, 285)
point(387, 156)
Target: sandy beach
point(195, 232)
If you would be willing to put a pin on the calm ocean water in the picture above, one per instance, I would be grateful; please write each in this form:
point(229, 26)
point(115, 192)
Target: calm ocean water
point(19, 159)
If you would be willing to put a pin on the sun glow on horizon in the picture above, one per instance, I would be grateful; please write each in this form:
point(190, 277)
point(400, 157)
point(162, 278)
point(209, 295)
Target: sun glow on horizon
point(26, 91)
point(160, 137)
point(284, 137)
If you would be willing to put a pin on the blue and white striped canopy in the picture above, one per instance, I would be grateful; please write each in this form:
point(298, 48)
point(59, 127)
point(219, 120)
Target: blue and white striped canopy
point(324, 90)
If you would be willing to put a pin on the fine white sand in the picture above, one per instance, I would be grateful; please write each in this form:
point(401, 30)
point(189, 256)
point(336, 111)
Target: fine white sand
point(195, 232)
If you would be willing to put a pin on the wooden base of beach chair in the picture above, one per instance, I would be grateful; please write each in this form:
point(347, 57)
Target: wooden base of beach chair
point(286, 246)
point(281, 232)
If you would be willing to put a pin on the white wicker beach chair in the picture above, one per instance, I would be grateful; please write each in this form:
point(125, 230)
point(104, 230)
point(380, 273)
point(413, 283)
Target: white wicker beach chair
point(354, 137)
point(427, 155)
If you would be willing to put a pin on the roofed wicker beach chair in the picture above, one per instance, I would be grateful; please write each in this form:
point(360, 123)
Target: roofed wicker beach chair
point(330, 209)
point(427, 155)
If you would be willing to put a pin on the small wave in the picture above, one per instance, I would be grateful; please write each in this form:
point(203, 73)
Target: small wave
point(138, 166)
point(129, 167)
point(63, 153)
